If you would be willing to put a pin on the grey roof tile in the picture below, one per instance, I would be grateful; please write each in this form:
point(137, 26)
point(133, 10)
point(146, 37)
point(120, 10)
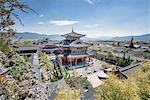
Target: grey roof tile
point(73, 34)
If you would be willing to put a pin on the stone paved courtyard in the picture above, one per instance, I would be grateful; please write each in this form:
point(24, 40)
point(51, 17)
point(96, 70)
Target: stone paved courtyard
point(96, 66)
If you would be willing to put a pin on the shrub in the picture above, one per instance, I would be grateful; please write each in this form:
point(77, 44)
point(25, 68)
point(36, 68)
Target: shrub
point(19, 69)
point(99, 49)
point(106, 65)
point(25, 43)
point(78, 82)
point(68, 94)
point(122, 62)
point(134, 88)
point(143, 81)
point(5, 46)
point(51, 72)
point(115, 89)
point(110, 54)
point(114, 44)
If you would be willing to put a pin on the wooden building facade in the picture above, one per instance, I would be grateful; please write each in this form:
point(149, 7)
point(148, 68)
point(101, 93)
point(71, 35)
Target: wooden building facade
point(73, 51)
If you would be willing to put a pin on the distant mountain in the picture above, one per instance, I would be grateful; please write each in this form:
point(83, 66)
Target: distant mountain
point(36, 36)
point(145, 37)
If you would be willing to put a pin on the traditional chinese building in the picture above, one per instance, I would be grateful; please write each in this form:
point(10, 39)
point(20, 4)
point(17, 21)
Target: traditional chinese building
point(74, 51)
point(50, 47)
point(28, 50)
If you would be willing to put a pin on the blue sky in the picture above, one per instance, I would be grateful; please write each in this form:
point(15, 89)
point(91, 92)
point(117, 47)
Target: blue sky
point(94, 18)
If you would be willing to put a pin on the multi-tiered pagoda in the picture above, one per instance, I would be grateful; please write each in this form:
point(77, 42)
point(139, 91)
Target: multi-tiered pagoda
point(74, 51)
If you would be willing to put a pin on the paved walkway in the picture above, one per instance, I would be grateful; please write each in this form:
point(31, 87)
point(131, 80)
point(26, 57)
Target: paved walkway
point(36, 67)
point(42, 89)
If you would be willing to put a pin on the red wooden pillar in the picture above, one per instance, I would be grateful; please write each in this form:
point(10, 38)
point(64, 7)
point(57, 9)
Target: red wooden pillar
point(76, 61)
point(70, 62)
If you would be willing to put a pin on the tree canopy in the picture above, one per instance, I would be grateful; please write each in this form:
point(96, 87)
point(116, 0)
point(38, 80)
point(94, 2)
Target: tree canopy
point(137, 87)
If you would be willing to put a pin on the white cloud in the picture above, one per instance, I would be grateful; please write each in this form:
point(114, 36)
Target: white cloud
point(63, 22)
point(40, 23)
point(96, 25)
point(92, 2)
point(41, 15)
point(91, 26)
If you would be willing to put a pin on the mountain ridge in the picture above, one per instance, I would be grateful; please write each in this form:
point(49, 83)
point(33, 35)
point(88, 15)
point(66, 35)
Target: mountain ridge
point(30, 35)
point(144, 37)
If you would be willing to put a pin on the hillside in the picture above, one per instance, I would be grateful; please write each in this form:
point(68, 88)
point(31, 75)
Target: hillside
point(145, 37)
point(35, 36)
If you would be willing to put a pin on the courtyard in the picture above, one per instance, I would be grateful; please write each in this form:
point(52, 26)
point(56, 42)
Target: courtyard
point(96, 66)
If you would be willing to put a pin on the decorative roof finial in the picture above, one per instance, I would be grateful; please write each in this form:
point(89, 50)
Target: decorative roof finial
point(72, 30)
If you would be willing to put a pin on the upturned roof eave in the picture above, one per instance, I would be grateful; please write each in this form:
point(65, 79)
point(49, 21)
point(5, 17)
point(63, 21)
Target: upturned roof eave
point(70, 34)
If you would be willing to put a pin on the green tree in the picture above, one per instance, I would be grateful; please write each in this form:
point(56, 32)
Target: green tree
point(49, 72)
point(99, 49)
point(115, 89)
point(5, 46)
point(27, 43)
point(8, 11)
point(114, 44)
point(106, 65)
point(124, 61)
point(110, 54)
point(65, 73)
point(68, 94)
point(78, 82)
point(136, 87)
point(143, 81)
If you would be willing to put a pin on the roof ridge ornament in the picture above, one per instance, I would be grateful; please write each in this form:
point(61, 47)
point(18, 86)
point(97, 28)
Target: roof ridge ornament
point(72, 30)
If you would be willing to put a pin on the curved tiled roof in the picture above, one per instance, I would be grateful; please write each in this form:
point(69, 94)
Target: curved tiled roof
point(78, 43)
point(75, 42)
point(84, 54)
point(4, 70)
point(65, 42)
point(73, 34)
